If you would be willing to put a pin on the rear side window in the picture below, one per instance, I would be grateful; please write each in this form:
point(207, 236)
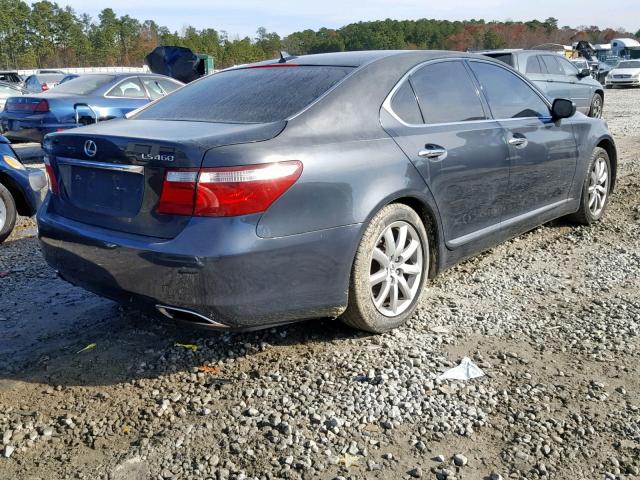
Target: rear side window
point(446, 93)
point(533, 65)
point(405, 105)
point(247, 95)
point(508, 95)
point(129, 88)
point(553, 65)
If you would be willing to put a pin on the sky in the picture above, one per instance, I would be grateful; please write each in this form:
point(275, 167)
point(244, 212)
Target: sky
point(243, 17)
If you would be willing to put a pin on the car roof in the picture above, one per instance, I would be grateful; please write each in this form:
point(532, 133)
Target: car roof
point(363, 57)
point(498, 51)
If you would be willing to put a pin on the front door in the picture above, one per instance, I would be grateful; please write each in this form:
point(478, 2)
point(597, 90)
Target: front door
point(543, 152)
point(458, 150)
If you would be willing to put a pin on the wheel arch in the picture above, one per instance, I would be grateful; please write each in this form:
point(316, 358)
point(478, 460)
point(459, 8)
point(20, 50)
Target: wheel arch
point(22, 205)
point(608, 145)
point(427, 211)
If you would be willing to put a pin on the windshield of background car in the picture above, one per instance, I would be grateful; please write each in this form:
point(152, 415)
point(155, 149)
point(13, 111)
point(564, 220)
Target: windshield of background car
point(629, 64)
point(84, 84)
point(247, 95)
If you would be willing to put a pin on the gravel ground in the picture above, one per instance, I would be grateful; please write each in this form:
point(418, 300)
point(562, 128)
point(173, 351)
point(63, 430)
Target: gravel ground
point(552, 317)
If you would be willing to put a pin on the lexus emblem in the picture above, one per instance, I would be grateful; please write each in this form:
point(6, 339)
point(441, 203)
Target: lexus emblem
point(90, 148)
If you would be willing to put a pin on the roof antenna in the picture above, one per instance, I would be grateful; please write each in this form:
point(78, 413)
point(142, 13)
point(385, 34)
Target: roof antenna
point(283, 57)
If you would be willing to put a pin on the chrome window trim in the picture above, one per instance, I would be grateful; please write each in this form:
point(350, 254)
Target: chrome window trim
point(387, 101)
point(139, 169)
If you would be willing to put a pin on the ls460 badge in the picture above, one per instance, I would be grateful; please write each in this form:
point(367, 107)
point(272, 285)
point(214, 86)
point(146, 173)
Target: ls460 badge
point(162, 158)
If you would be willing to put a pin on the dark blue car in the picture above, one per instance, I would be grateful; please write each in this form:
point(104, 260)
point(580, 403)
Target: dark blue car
point(324, 185)
point(87, 99)
point(21, 189)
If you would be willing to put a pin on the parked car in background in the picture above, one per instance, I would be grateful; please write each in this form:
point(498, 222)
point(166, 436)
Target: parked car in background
point(49, 70)
point(10, 90)
point(21, 189)
point(263, 195)
point(10, 76)
point(557, 77)
point(626, 74)
point(87, 99)
point(42, 82)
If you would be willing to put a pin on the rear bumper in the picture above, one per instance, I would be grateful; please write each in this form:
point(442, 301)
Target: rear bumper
point(217, 267)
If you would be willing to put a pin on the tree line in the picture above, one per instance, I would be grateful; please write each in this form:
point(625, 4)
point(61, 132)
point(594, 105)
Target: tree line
point(44, 34)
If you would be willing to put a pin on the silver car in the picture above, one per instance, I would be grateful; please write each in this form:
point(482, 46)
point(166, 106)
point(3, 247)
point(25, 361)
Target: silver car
point(557, 77)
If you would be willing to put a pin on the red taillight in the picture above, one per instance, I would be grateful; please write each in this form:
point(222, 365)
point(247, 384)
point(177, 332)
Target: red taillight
point(42, 106)
point(226, 191)
point(178, 192)
point(53, 181)
point(26, 104)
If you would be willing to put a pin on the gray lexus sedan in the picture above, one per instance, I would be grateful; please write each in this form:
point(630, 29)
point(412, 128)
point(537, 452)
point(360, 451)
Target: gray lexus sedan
point(332, 185)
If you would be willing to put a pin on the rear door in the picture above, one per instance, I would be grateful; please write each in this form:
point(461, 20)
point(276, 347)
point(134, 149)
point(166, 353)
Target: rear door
point(543, 152)
point(536, 71)
point(558, 85)
point(461, 154)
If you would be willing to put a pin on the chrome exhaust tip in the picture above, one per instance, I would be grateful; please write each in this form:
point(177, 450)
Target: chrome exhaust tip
point(189, 316)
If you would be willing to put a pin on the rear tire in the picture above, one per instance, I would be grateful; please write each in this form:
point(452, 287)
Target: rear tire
point(7, 213)
point(597, 104)
point(595, 190)
point(389, 271)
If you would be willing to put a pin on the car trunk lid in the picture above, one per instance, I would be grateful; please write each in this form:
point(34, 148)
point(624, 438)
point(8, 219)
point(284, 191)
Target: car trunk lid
point(112, 175)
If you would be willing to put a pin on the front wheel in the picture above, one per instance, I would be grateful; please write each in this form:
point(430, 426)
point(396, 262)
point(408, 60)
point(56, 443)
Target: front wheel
point(7, 213)
point(389, 271)
point(597, 103)
point(595, 190)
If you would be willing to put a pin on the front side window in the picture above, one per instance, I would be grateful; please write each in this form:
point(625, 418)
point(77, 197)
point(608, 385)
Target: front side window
point(508, 95)
point(446, 93)
point(129, 88)
point(569, 68)
point(405, 105)
point(247, 95)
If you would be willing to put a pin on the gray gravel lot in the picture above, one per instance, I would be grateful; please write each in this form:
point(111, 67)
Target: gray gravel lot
point(552, 317)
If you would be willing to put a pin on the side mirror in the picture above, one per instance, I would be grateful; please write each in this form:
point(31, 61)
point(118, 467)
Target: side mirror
point(563, 108)
point(585, 72)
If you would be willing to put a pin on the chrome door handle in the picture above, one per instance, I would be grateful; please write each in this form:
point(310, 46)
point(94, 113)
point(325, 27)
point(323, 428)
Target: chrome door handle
point(432, 152)
point(518, 142)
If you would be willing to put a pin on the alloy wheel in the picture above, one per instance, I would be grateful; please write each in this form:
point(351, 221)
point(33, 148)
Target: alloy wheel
point(598, 186)
point(596, 108)
point(3, 214)
point(397, 264)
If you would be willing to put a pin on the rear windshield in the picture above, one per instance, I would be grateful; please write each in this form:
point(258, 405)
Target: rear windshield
point(247, 95)
point(50, 77)
point(503, 57)
point(84, 84)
